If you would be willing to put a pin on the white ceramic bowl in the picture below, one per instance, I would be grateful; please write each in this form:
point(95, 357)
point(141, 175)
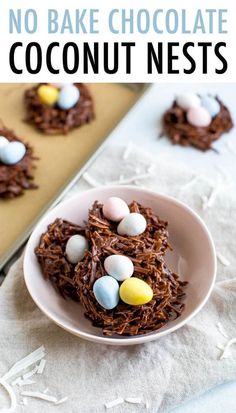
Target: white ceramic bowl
point(193, 257)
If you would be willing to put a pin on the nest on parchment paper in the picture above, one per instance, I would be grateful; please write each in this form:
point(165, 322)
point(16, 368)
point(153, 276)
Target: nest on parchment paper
point(51, 119)
point(15, 179)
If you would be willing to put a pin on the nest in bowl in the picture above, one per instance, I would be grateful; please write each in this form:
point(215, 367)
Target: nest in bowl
point(147, 252)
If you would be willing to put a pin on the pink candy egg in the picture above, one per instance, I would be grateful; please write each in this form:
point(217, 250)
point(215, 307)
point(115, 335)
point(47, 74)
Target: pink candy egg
point(57, 85)
point(115, 209)
point(199, 117)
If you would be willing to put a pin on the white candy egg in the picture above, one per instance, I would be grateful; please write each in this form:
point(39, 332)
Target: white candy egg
point(106, 292)
point(133, 224)
point(12, 153)
point(188, 100)
point(119, 267)
point(3, 141)
point(68, 97)
point(211, 105)
point(199, 117)
point(115, 209)
point(75, 248)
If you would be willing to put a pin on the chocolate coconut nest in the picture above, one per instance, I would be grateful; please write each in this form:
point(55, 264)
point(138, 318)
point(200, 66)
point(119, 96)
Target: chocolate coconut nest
point(177, 128)
point(51, 119)
point(147, 252)
point(14, 179)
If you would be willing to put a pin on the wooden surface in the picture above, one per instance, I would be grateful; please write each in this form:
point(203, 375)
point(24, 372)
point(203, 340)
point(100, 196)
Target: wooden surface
point(60, 156)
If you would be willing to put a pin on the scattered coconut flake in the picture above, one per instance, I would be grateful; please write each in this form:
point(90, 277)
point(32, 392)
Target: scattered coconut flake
point(30, 373)
point(228, 345)
point(26, 362)
point(16, 381)
point(26, 382)
point(222, 259)
point(114, 403)
point(45, 390)
point(147, 405)
point(63, 400)
point(151, 169)
point(90, 180)
point(137, 170)
point(134, 400)
point(41, 366)
point(127, 151)
point(220, 347)
point(209, 202)
point(222, 330)
point(12, 396)
point(38, 395)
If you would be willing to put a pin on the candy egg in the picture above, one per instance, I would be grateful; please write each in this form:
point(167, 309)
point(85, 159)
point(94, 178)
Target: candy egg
point(211, 105)
point(199, 117)
point(48, 94)
point(188, 100)
point(115, 209)
point(134, 291)
point(75, 248)
point(12, 153)
point(3, 141)
point(133, 224)
point(57, 85)
point(69, 96)
point(119, 267)
point(106, 291)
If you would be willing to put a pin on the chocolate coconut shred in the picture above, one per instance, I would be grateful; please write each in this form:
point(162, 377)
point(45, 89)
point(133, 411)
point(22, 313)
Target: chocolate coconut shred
point(147, 252)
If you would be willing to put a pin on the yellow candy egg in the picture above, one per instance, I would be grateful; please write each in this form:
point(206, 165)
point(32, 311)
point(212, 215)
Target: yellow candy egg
point(134, 291)
point(48, 94)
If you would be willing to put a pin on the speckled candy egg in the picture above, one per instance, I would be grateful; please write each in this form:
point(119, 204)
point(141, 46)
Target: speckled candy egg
point(188, 100)
point(135, 292)
point(12, 153)
point(119, 267)
point(48, 94)
point(199, 117)
point(106, 292)
point(115, 209)
point(132, 225)
point(75, 248)
point(68, 97)
point(3, 141)
point(211, 105)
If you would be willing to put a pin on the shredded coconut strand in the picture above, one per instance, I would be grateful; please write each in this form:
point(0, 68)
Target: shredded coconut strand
point(209, 202)
point(90, 180)
point(114, 403)
point(30, 373)
point(26, 382)
point(41, 366)
point(222, 259)
point(127, 151)
point(222, 330)
point(12, 396)
point(38, 395)
point(26, 362)
point(45, 390)
point(147, 405)
point(131, 179)
point(63, 400)
point(192, 181)
point(134, 400)
point(25, 401)
point(228, 345)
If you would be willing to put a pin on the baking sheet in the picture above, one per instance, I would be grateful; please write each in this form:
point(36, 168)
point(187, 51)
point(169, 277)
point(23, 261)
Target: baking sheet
point(61, 157)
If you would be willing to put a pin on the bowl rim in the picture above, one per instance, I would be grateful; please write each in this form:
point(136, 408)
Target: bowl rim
point(133, 339)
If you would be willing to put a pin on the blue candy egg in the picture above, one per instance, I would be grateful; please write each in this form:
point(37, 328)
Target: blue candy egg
point(211, 105)
point(106, 291)
point(68, 97)
point(12, 153)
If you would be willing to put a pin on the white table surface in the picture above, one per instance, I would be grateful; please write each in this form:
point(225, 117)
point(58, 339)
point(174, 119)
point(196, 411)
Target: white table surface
point(141, 127)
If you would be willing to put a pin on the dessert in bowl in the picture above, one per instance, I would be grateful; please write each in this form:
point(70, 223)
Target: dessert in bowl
point(165, 249)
